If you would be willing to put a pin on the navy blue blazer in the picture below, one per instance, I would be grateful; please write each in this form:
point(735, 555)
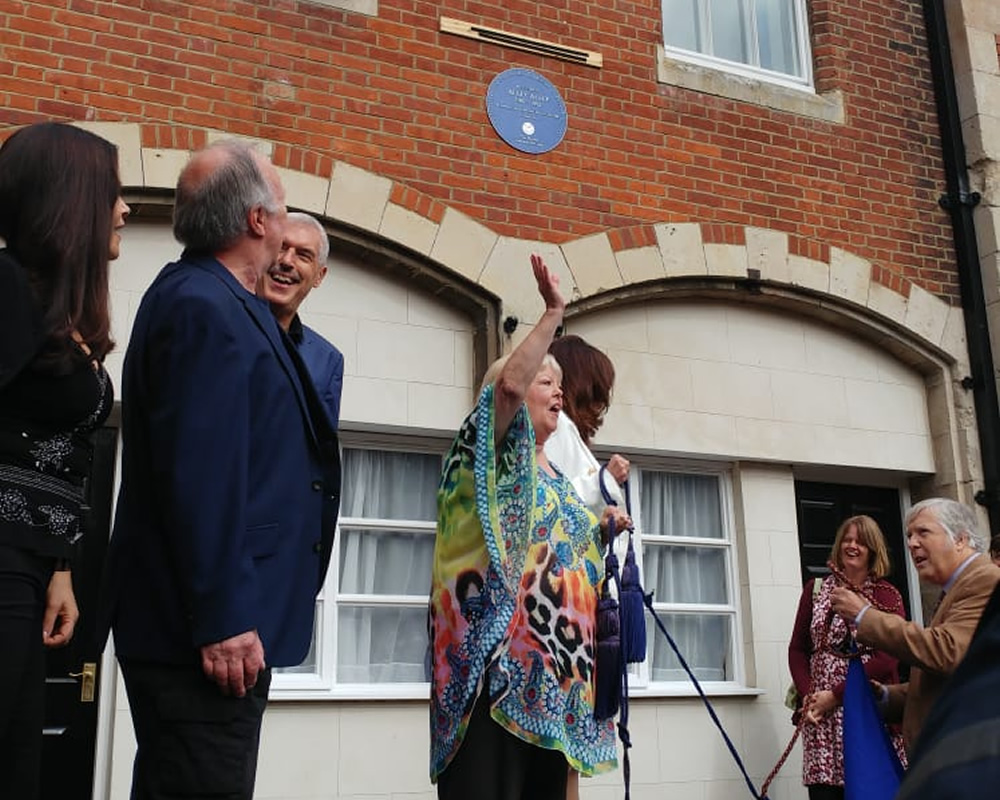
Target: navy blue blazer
point(230, 476)
point(325, 364)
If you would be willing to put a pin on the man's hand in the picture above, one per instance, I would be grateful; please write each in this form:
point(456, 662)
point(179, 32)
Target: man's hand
point(234, 662)
point(846, 603)
point(61, 612)
point(548, 285)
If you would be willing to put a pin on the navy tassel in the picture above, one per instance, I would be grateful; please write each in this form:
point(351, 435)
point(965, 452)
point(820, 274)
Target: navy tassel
point(633, 616)
point(608, 664)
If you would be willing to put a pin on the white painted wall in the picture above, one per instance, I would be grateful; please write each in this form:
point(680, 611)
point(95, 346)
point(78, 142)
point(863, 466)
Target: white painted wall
point(747, 382)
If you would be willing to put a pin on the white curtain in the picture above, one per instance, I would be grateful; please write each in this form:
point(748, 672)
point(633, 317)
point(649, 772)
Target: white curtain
point(385, 644)
point(777, 36)
point(686, 505)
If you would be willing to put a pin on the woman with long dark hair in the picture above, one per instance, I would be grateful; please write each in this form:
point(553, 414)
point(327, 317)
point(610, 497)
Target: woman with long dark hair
point(60, 213)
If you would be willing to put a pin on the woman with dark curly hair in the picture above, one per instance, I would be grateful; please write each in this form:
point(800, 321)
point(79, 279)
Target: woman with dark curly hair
point(588, 382)
point(60, 212)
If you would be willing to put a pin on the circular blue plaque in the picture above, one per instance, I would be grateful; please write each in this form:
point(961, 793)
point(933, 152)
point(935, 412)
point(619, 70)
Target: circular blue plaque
point(526, 111)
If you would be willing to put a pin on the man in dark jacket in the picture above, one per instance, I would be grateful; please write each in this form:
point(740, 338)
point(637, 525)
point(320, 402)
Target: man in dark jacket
point(230, 480)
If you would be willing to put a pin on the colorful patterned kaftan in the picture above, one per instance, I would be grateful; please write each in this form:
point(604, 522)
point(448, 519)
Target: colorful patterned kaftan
point(517, 564)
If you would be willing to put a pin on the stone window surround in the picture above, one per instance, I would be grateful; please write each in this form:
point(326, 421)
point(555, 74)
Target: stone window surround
point(367, 7)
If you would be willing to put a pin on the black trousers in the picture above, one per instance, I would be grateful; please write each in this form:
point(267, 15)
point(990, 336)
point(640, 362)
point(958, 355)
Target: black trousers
point(821, 791)
point(24, 580)
point(193, 741)
point(492, 764)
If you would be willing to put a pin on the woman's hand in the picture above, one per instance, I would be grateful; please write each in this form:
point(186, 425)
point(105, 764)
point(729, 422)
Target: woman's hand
point(548, 285)
point(618, 467)
point(818, 704)
point(621, 520)
point(61, 612)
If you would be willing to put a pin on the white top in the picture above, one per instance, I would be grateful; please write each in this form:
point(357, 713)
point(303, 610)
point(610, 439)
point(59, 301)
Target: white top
point(565, 449)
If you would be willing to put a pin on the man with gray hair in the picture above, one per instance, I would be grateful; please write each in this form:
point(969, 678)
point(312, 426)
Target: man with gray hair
point(948, 550)
point(300, 268)
point(230, 479)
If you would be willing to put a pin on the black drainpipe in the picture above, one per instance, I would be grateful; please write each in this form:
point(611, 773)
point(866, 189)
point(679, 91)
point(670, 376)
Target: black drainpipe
point(959, 202)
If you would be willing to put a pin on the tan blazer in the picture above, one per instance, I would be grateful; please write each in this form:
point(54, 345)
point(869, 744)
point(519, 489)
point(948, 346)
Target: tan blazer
point(933, 652)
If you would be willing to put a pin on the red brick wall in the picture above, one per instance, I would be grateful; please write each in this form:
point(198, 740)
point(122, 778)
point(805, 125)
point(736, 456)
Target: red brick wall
point(394, 96)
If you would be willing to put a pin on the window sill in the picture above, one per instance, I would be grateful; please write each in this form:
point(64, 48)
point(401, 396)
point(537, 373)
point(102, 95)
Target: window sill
point(686, 691)
point(408, 692)
point(828, 106)
point(397, 692)
point(368, 7)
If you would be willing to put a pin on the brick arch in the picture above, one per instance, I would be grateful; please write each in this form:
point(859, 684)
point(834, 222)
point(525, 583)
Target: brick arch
point(408, 226)
point(397, 227)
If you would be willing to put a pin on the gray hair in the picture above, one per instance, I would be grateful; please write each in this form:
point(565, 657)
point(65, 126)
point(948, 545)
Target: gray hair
point(210, 210)
point(300, 218)
point(494, 369)
point(956, 518)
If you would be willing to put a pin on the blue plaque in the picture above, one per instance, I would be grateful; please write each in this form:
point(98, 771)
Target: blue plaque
point(526, 111)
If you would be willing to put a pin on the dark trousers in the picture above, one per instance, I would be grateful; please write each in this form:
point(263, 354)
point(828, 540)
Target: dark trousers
point(193, 741)
point(820, 791)
point(492, 764)
point(24, 580)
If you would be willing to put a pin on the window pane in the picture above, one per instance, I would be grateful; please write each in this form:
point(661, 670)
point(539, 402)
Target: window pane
point(381, 645)
point(704, 641)
point(385, 562)
point(729, 30)
point(385, 485)
point(685, 574)
point(681, 505)
point(681, 24)
point(777, 37)
point(309, 665)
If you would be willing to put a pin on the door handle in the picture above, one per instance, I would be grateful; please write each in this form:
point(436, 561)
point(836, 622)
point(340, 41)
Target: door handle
point(88, 681)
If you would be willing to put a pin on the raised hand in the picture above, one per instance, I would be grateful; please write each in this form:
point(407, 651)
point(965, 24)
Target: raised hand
point(548, 284)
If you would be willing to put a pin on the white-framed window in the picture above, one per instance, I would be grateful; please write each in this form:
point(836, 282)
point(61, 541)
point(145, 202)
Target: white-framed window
point(767, 39)
point(687, 553)
point(370, 637)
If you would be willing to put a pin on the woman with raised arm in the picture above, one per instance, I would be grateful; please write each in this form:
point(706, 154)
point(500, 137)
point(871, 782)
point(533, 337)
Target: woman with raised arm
point(60, 213)
point(517, 566)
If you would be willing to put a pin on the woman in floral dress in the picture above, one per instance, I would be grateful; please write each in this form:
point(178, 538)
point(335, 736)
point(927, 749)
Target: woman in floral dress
point(818, 652)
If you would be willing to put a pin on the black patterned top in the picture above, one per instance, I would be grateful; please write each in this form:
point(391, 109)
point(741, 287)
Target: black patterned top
point(47, 417)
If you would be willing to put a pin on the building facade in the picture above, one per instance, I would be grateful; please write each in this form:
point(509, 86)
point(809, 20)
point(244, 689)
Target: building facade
point(744, 210)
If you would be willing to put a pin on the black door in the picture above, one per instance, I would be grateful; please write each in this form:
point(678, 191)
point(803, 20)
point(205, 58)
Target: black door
point(72, 678)
point(821, 507)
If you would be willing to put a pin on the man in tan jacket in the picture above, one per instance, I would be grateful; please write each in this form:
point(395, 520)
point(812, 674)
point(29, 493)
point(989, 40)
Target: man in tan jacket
point(949, 551)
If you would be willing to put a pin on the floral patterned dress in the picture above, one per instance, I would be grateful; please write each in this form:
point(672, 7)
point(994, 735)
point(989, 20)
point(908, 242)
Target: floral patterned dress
point(517, 565)
point(823, 743)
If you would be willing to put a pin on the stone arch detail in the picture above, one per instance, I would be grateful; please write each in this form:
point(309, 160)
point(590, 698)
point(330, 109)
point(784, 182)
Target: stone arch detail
point(613, 262)
point(452, 253)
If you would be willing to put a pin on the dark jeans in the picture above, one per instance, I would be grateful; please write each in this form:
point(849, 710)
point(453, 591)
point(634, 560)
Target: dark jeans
point(492, 764)
point(193, 741)
point(24, 580)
